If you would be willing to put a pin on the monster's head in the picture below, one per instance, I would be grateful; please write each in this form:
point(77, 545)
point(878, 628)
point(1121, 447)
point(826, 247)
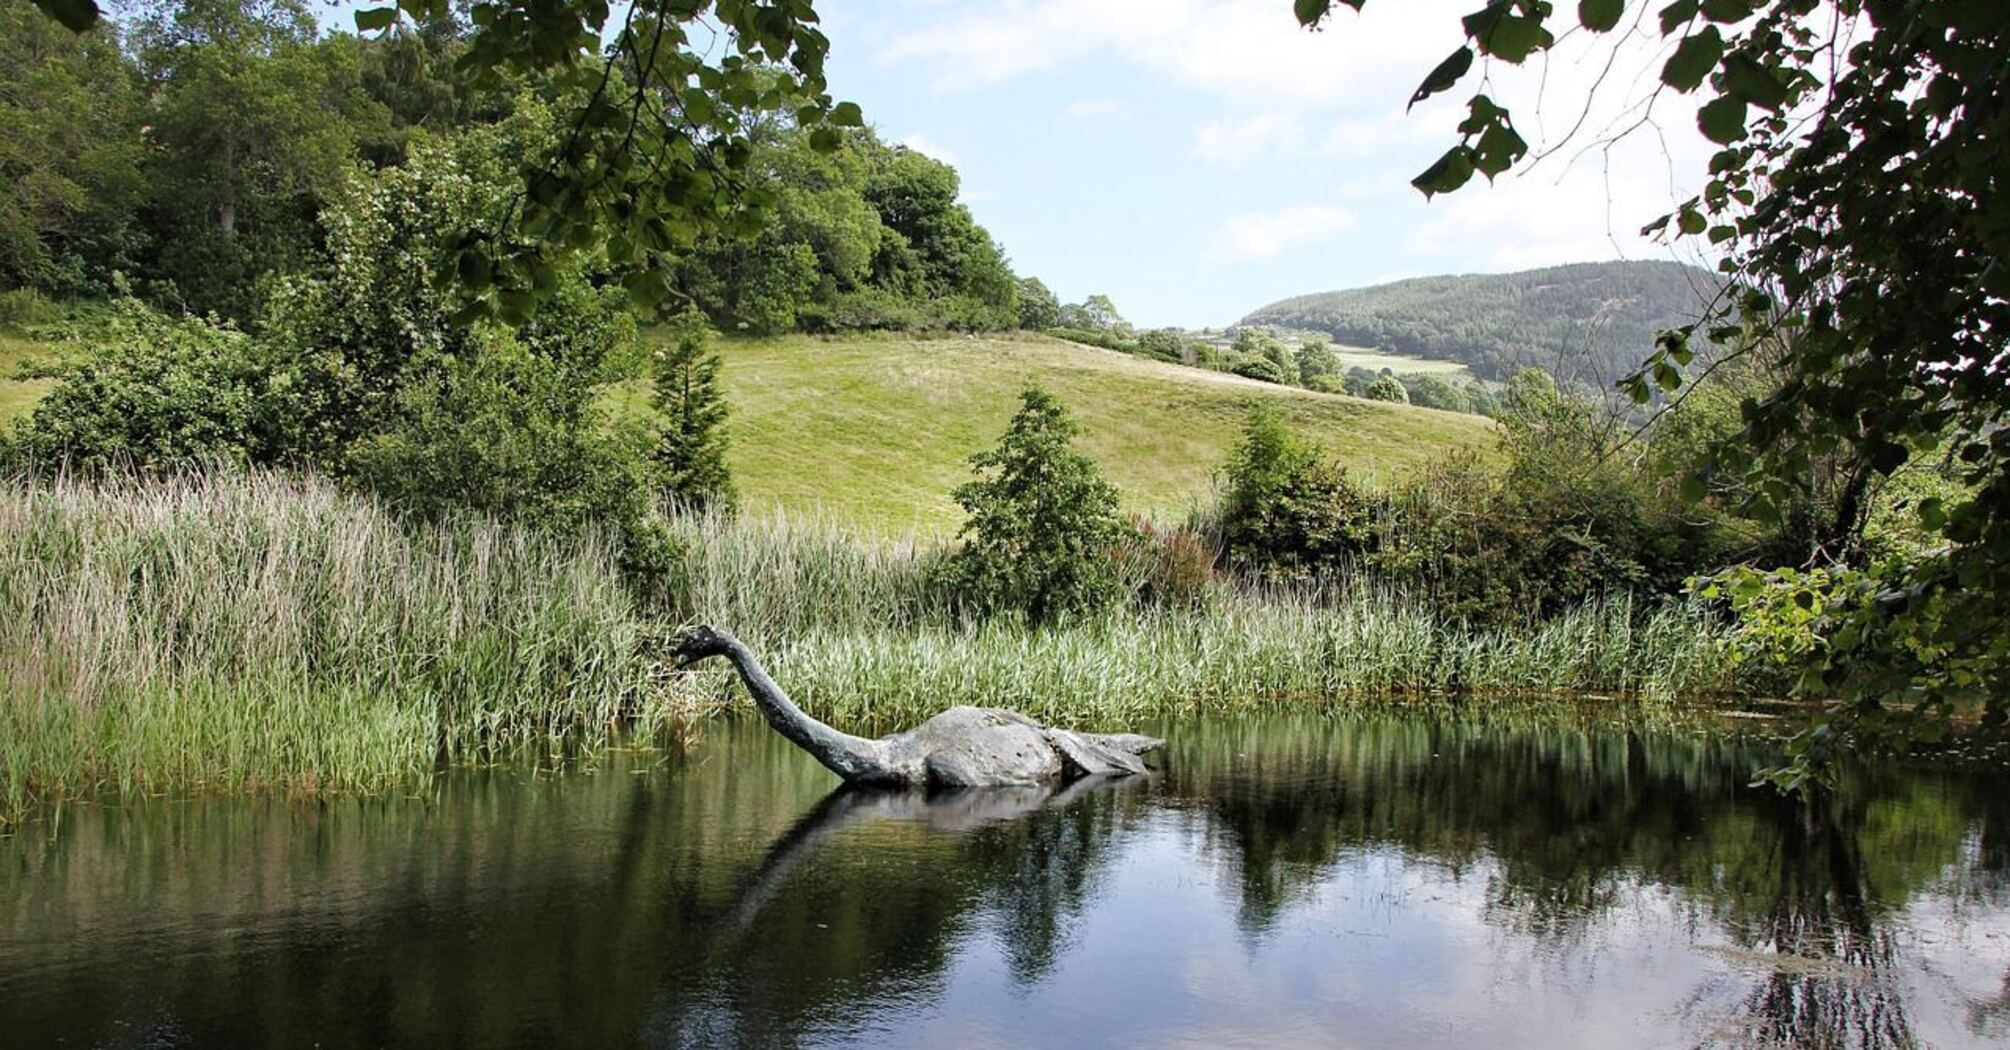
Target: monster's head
point(699, 643)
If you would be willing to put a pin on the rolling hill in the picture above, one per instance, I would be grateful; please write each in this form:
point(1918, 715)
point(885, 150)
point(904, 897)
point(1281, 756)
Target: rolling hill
point(1587, 321)
point(879, 430)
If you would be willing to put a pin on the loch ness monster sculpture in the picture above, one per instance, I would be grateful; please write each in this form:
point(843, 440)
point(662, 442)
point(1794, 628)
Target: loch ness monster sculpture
point(963, 747)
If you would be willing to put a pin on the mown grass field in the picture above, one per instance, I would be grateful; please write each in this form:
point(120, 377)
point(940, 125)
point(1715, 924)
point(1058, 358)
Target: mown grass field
point(878, 430)
point(18, 396)
point(1376, 360)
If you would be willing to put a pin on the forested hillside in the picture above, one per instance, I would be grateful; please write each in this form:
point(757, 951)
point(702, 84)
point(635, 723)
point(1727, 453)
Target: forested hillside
point(1591, 322)
point(194, 154)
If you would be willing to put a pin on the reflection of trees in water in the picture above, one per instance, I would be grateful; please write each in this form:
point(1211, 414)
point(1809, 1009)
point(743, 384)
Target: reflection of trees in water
point(1571, 820)
point(1829, 979)
point(735, 901)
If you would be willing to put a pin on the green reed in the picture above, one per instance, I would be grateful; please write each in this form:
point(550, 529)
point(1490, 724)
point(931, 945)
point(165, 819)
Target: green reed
point(240, 630)
point(1242, 651)
point(254, 630)
point(853, 629)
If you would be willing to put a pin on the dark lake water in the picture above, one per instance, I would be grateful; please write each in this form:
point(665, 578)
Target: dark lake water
point(1285, 881)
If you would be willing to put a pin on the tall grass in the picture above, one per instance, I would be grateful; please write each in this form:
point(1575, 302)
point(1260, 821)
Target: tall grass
point(242, 630)
point(1246, 650)
point(254, 630)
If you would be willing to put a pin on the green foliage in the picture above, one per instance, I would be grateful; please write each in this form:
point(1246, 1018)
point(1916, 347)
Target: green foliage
point(1480, 400)
point(252, 125)
point(1042, 523)
point(160, 393)
point(1039, 308)
point(1289, 514)
point(691, 444)
point(1593, 321)
point(501, 429)
point(660, 130)
point(1386, 388)
point(1163, 344)
point(938, 254)
point(1557, 522)
point(860, 236)
point(362, 370)
point(1853, 232)
point(1096, 313)
point(1261, 368)
point(70, 155)
point(1316, 360)
point(1780, 617)
point(1429, 391)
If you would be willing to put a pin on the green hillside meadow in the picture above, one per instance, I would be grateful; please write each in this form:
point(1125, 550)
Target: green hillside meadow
point(879, 430)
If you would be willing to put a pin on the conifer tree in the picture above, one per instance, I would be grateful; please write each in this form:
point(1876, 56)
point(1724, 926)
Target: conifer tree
point(1042, 522)
point(691, 448)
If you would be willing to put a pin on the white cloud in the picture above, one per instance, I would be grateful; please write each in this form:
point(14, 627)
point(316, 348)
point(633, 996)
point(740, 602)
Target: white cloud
point(923, 144)
point(1292, 115)
point(1093, 109)
point(1235, 142)
point(1250, 50)
point(1263, 235)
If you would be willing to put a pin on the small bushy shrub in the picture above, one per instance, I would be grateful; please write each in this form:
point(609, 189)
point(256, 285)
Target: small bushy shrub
point(507, 432)
point(1162, 344)
point(1288, 513)
point(1386, 388)
point(157, 393)
point(1260, 368)
point(1429, 391)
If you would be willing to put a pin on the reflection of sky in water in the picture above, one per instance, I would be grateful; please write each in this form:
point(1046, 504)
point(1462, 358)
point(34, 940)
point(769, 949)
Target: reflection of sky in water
point(1389, 950)
point(1287, 883)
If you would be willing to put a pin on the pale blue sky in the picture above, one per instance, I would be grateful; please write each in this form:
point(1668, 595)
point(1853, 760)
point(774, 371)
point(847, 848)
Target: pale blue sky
point(1195, 159)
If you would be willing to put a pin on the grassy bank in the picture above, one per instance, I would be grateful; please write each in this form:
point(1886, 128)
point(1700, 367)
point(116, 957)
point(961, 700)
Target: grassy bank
point(235, 632)
point(878, 429)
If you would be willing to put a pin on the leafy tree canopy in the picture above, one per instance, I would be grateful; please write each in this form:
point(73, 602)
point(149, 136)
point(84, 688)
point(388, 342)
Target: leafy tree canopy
point(1857, 199)
point(657, 145)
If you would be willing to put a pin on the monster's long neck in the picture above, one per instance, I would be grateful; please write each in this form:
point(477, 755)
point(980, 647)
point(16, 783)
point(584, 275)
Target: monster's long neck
point(851, 757)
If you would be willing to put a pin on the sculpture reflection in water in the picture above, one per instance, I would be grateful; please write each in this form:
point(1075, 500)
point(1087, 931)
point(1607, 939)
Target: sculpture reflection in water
point(1026, 854)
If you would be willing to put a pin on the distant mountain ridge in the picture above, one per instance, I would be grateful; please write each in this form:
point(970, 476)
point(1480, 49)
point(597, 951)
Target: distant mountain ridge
point(1592, 322)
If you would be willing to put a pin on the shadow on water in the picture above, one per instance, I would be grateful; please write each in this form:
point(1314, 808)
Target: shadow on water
point(1290, 880)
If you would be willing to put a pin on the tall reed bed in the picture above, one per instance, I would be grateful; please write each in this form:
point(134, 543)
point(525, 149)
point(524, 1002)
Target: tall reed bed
point(853, 629)
point(242, 630)
point(1245, 650)
point(234, 631)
